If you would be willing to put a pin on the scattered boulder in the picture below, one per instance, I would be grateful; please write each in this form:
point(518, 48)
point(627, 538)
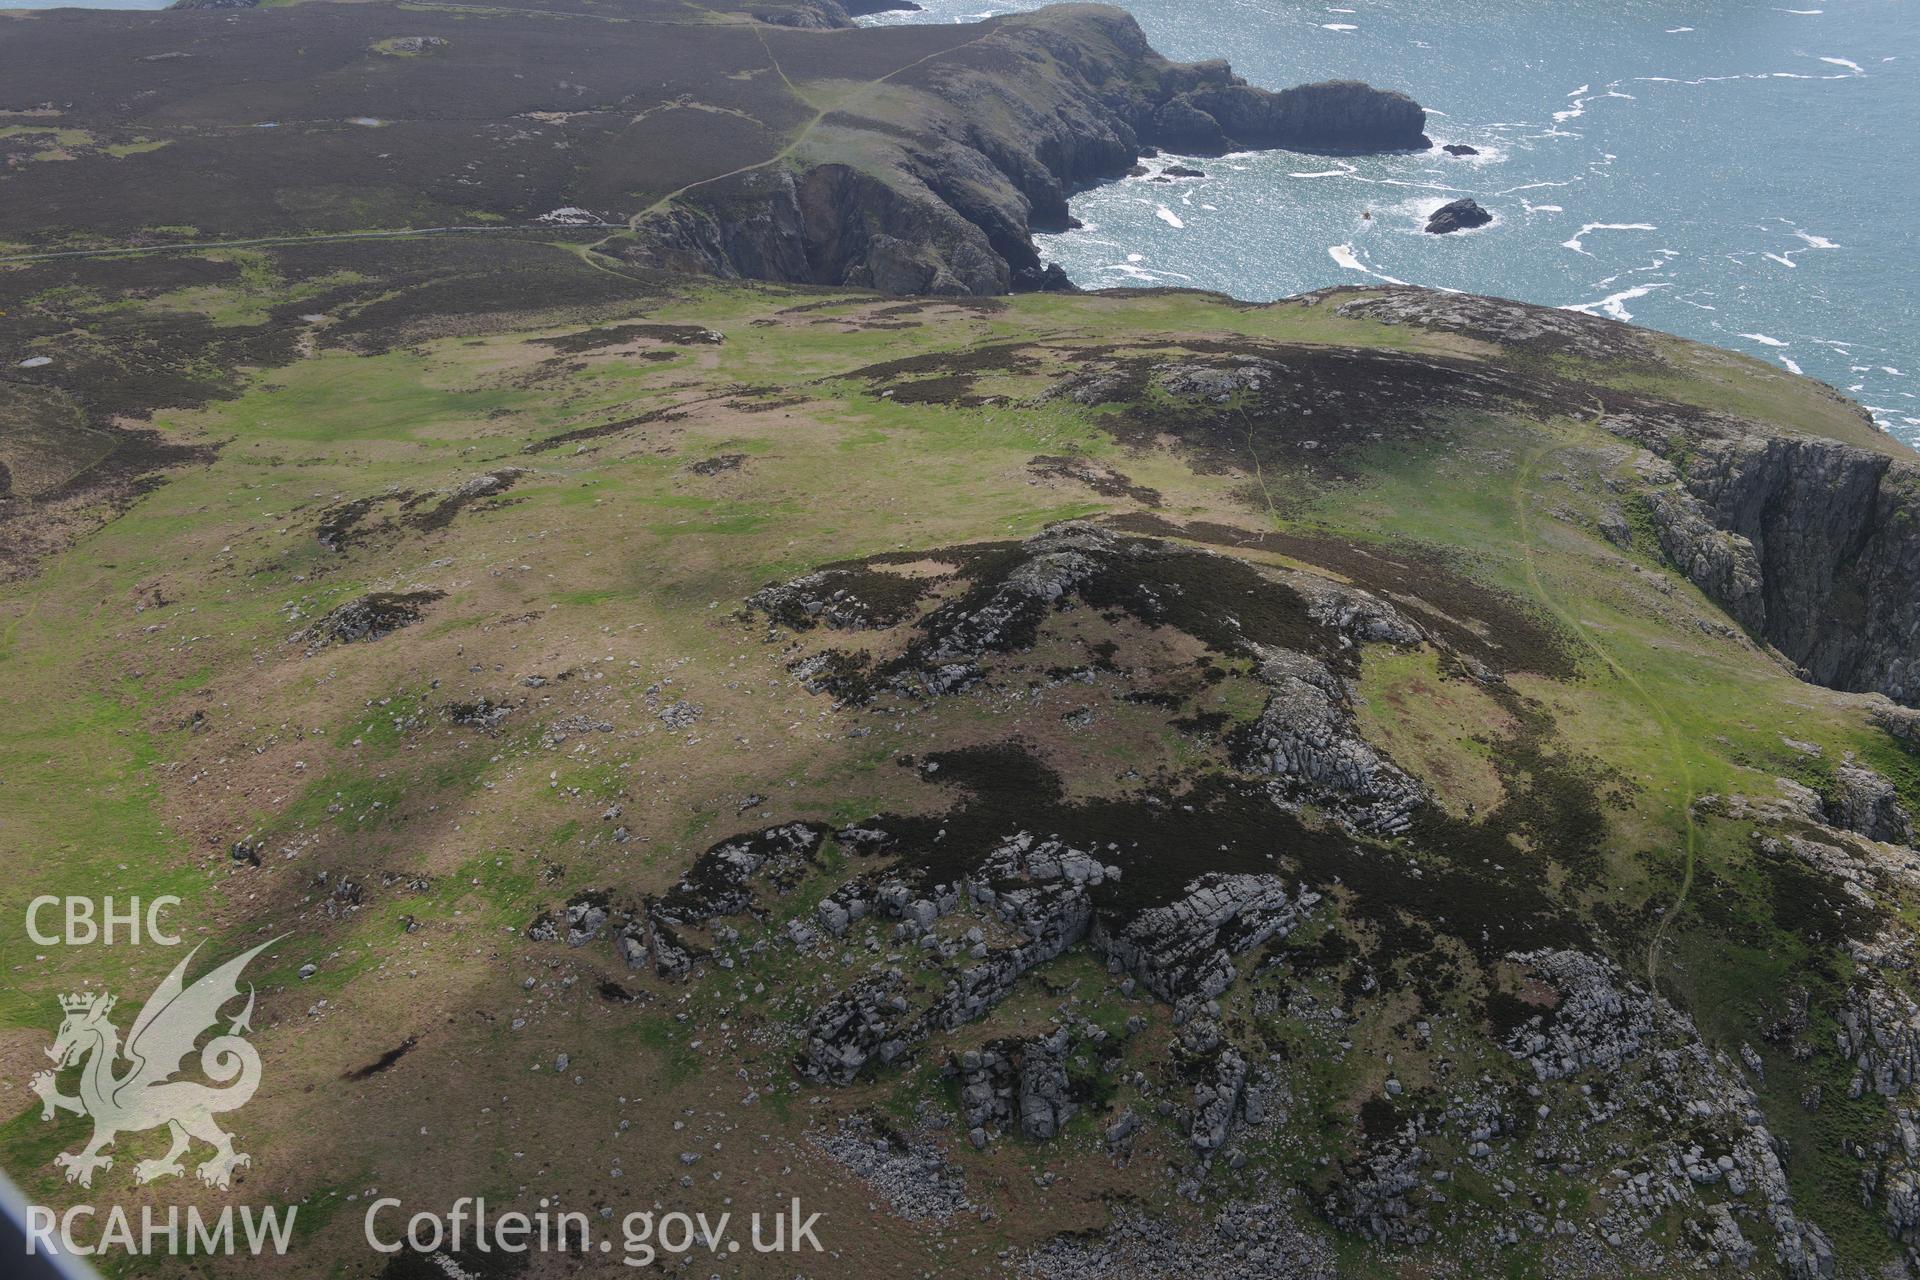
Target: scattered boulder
point(906, 1169)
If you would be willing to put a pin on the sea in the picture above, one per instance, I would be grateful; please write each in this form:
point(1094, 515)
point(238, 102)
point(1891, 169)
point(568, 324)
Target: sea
point(1745, 174)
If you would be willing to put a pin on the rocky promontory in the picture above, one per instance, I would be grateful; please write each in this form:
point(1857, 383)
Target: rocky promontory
point(1337, 116)
point(1004, 129)
point(1809, 543)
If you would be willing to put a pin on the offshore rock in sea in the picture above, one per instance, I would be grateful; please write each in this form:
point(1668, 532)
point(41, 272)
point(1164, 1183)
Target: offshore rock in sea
point(1461, 215)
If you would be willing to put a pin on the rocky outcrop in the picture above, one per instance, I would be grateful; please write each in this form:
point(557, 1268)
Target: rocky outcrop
point(1866, 803)
point(1598, 1022)
point(1595, 1024)
point(1021, 1084)
point(948, 206)
point(1043, 1105)
point(858, 1024)
point(1880, 1035)
point(1548, 330)
point(1183, 952)
point(1307, 739)
point(369, 618)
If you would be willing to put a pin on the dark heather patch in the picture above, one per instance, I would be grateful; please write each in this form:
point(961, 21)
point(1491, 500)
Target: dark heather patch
point(1103, 480)
point(383, 1062)
point(482, 488)
point(978, 305)
point(1312, 405)
point(1811, 904)
point(1222, 602)
point(581, 434)
point(1379, 1119)
point(1492, 627)
point(449, 288)
point(1506, 1013)
point(1162, 840)
point(720, 884)
point(679, 335)
point(947, 377)
point(339, 526)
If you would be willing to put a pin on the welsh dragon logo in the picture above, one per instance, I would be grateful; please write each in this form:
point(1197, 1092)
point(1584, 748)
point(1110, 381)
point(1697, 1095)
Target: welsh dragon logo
point(145, 1095)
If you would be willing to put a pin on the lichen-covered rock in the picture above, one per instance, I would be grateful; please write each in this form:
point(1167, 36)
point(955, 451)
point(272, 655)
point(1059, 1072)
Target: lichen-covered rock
point(1307, 739)
point(1043, 1105)
point(1216, 1102)
point(1879, 1033)
point(1600, 1021)
point(1182, 951)
point(1050, 918)
point(1866, 803)
point(852, 1027)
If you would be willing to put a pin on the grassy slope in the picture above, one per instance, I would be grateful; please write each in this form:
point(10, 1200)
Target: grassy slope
point(611, 560)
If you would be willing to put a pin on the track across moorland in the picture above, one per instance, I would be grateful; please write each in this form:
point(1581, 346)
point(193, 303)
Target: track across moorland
point(1676, 744)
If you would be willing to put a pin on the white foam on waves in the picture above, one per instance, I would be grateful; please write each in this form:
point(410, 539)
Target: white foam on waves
point(1614, 304)
point(1578, 242)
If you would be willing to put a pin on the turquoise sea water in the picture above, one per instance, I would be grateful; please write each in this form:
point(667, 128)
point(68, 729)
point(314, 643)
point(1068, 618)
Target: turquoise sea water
point(1742, 173)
